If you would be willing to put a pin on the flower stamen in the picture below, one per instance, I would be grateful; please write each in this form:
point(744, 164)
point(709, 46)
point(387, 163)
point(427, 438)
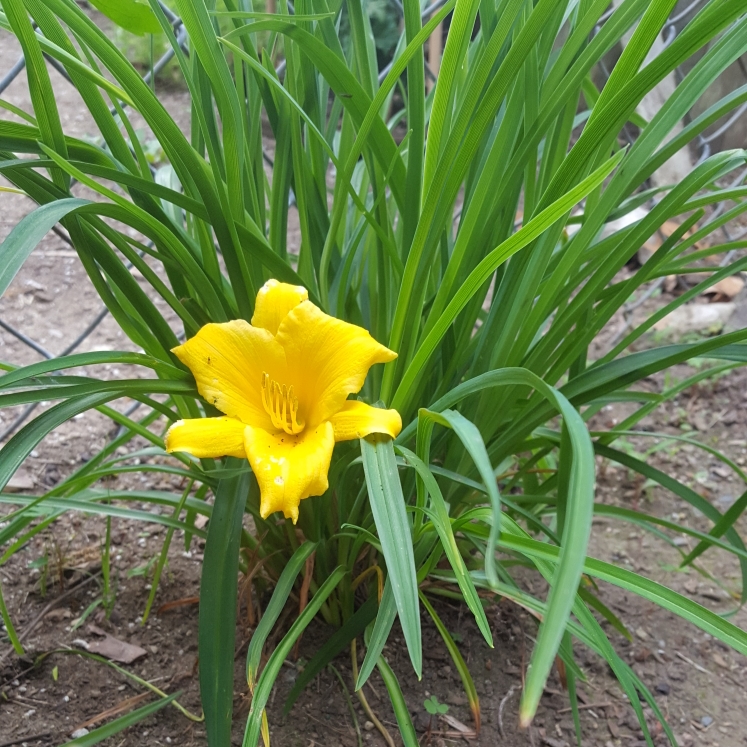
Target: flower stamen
point(281, 405)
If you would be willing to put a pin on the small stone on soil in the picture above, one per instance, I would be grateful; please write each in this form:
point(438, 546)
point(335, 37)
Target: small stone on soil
point(550, 742)
point(718, 659)
point(456, 699)
point(422, 721)
point(663, 688)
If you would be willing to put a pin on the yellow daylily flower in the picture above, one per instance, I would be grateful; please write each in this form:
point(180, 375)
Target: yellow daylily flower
point(282, 383)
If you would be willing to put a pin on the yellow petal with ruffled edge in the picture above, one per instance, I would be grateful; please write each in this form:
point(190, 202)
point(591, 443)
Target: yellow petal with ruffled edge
point(274, 301)
point(358, 420)
point(227, 361)
point(289, 468)
point(207, 438)
point(327, 359)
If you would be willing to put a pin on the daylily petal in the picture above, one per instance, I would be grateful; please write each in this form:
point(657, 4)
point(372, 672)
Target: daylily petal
point(228, 361)
point(289, 468)
point(327, 359)
point(357, 420)
point(207, 438)
point(274, 301)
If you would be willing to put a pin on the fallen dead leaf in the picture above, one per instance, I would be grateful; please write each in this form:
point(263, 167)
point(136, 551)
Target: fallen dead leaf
point(114, 649)
point(648, 248)
point(664, 232)
point(670, 283)
point(177, 603)
point(727, 288)
point(456, 724)
point(84, 558)
point(669, 227)
point(125, 705)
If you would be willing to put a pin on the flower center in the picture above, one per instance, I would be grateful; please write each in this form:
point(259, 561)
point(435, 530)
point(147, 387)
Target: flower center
point(281, 405)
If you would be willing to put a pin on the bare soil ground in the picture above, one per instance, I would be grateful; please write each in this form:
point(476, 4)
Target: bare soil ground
point(45, 696)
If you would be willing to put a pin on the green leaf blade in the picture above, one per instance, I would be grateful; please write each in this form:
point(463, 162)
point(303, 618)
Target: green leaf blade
point(218, 592)
point(388, 507)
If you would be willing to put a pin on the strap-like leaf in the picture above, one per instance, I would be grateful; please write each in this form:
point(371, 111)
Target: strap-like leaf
point(377, 639)
point(272, 669)
point(27, 233)
point(393, 527)
point(218, 592)
point(280, 596)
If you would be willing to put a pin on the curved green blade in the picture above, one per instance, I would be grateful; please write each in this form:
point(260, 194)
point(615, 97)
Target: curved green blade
point(218, 592)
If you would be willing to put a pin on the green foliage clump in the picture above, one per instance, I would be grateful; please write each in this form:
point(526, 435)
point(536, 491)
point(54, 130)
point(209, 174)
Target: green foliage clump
point(473, 232)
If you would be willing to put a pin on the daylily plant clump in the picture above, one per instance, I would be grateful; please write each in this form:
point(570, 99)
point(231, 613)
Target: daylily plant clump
point(283, 383)
point(469, 225)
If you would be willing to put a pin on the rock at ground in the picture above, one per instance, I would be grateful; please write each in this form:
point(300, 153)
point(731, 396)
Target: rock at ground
point(456, 699)
point(423, 721)
point(550, 742)
point(702, 317)
point(19, 483)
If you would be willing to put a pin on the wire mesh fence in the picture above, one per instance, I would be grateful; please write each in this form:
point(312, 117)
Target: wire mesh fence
point(704, 147)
